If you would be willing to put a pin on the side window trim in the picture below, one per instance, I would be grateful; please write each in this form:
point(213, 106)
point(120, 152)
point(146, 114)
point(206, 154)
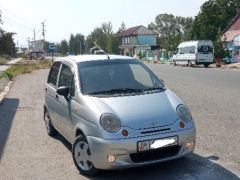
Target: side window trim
point(68, 65)
point(58, 73)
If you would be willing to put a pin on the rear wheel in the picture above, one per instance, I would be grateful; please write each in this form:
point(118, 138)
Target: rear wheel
point(51, 131)
point(206, 65)
point(81, 156)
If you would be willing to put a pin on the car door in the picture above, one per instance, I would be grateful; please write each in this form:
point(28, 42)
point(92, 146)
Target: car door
point(50, 95)
point(66, 78)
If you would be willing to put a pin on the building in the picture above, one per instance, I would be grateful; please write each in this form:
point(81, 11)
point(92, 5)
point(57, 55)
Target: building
point(231, 39)
point(138, 40)
point(36, 49)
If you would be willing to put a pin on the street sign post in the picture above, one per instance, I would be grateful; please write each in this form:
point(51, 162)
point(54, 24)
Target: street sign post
point(51, 48)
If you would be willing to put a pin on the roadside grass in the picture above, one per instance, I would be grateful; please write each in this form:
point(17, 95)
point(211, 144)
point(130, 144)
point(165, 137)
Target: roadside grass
point(3, 61)
point(20, 68)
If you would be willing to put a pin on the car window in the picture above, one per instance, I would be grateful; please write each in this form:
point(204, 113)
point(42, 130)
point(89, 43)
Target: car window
point(53, 75)
point(66, 78)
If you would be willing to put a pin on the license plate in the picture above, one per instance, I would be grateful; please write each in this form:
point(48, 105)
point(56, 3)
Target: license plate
point(156, 143)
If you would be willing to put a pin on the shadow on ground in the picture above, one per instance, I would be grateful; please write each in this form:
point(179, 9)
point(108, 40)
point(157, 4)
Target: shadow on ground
point(191, 167)
point(8, 109)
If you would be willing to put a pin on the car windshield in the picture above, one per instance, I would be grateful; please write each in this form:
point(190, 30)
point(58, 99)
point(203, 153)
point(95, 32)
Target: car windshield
point(117, 76)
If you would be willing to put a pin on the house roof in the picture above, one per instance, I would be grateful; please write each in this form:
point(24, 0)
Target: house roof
point(232, 30)
point(137, 30)
point(234, 24)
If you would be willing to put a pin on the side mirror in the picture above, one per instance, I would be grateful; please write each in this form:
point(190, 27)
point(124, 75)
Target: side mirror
point(63, 91)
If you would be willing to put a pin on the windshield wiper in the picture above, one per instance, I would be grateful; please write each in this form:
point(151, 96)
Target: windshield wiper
point(155, 88)
point(117, 90)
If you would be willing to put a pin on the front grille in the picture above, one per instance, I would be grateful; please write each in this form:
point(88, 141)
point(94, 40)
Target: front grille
point(155, 154)
point(155, 131)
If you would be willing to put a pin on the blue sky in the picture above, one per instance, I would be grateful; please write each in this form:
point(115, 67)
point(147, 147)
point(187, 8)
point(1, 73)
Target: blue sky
point(63, 17)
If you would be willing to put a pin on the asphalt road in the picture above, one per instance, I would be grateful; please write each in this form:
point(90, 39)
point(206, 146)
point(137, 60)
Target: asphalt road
point(26, 152)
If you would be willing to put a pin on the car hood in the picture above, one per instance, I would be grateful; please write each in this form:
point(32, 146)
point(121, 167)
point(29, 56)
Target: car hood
point(142, 111)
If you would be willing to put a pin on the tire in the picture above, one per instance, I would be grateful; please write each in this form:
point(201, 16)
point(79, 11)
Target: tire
point(51, 131)
point(80, 155)
point(189, 64)
point(174, 63)
point(206, 65)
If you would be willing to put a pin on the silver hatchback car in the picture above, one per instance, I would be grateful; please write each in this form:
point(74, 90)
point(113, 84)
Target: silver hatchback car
point(116, 113)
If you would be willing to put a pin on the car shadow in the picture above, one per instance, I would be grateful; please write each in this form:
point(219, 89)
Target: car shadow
point(60, 138)
point(191, 167)
point(8, 109)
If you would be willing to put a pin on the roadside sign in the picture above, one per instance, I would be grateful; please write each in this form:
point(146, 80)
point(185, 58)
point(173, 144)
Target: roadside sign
point(51, 47)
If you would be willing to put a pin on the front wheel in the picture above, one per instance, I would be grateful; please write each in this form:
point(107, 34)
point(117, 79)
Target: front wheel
point(81, 156)
point(174, 63)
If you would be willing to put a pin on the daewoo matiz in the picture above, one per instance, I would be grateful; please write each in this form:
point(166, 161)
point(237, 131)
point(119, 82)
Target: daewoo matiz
point(116, 113)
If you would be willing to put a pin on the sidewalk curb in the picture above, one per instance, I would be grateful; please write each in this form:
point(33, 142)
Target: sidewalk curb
point(5, 91)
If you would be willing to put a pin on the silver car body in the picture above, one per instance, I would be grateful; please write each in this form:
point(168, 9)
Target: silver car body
point(146, 117)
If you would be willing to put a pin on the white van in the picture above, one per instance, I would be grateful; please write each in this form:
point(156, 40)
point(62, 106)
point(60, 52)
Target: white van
point(194, 52)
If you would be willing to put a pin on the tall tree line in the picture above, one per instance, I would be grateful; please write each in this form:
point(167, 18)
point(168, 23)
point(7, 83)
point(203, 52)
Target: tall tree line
point(74, 46)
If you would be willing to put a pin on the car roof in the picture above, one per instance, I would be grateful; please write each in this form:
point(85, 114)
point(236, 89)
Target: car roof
point(84, 58)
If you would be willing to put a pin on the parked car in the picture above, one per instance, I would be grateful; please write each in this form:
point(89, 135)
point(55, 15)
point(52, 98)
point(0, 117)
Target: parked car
point(116, 113)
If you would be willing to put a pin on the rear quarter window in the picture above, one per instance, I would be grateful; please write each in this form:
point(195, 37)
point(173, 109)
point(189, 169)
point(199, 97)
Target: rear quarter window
point(53, 75)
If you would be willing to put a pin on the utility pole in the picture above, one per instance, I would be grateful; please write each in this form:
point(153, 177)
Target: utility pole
point(34, 35)
point(43, 34)
point(43, 30)
point(28, 40)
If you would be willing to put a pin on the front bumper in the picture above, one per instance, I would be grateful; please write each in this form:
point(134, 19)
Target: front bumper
point(126, 149)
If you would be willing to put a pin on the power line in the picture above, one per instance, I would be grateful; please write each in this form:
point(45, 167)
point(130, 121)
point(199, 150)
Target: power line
point(17, 17)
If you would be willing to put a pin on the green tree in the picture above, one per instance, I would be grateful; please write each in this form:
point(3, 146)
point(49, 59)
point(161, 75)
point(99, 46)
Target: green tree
point(219, 51)
point(64, 47)
point(79, 44)
point(7, 45)
point(72, 45)
point(104, 37)
point(214, 15)
point(172, 29)
point(112, 44)
point(122, 27)
point(0, 19)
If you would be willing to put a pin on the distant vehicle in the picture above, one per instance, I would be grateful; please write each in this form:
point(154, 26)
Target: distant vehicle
point(116, 113)
point(194, 52)
point(99, 52)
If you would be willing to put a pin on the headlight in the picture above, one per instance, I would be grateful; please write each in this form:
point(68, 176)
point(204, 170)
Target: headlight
point(184, 113)
point(110, 123)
